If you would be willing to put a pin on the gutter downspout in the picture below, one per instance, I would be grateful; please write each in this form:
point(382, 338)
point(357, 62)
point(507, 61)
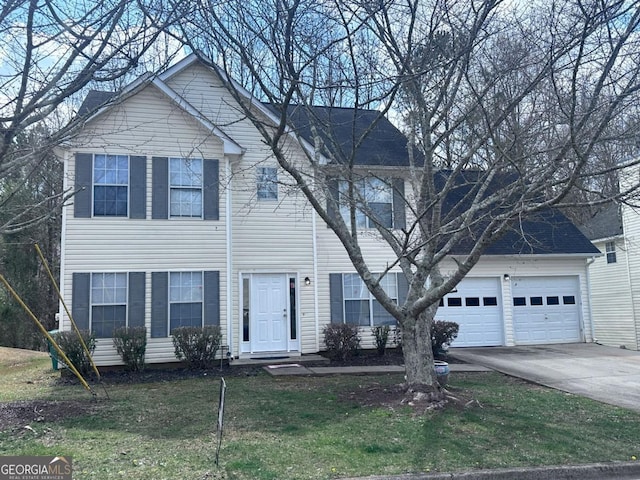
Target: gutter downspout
point(593, 331)
point(63, 243)
point(627, 247)
point(229, 238)
point(315, 279)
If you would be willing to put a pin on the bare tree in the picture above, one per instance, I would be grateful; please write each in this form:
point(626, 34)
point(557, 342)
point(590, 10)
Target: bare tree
point(509, 102)
point(50, 51)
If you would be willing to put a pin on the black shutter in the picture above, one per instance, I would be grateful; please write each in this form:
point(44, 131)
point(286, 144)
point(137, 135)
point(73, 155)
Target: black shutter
point(399, 214)
point(333, 191)
point(336, 298)
point(160, 188)
point(136, 299)
point(83, 184)
point(211, 190)
point(159, 304)
point(80, 290)
point(212, 298)
point(137, 187)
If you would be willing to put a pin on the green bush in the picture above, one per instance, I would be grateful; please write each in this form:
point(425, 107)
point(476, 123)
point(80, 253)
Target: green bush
point(197, 345)
point(442, 334)
point(70, 344)
point(381, 334)
point(342, 341)
point(131, 345)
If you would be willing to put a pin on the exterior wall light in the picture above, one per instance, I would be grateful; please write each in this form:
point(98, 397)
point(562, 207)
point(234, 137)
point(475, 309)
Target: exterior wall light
point(506, 277)
point(307, 281)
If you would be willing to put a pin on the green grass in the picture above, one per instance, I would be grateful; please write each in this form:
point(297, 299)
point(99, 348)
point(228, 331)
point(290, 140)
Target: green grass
point(299, 428)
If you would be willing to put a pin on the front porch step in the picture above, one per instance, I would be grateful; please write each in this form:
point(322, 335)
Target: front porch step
point(276, 359)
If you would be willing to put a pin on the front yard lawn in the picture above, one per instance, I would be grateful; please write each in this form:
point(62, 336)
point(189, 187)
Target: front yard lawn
point(299, 427)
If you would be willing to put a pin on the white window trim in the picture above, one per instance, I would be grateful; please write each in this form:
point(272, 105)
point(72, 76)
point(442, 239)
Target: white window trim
point(370, 298)
point(345, 208)
point(170, 302)
point(92, 304)
point(172, 187)
point(94, 184)
point(610, 252)
point(264, 181)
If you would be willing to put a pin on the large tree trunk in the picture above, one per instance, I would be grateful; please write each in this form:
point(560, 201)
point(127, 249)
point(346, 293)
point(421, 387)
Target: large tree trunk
point(416, 349)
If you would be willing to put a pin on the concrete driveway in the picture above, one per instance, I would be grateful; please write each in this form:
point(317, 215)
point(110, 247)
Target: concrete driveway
point(607, 374)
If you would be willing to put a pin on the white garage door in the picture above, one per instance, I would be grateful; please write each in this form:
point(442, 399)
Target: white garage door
point(475, 306)
point(546, 310)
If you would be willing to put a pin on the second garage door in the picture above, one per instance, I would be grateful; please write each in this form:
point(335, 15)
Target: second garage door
point(476, 306)
point(546, 310)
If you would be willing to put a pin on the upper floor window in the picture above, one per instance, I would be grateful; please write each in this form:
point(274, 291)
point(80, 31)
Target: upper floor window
point(361, 307)
point(108, 303)
point(185, 187)
point(267, 183)
point(378, 197)
point(110, 185)
point(610, 248)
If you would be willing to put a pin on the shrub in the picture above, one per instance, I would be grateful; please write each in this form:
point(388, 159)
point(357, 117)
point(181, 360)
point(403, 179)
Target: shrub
point(342, 341)
point(442, 334)
point(197, 345)
point(131, 345)
point(381, 334)
point(70, 344)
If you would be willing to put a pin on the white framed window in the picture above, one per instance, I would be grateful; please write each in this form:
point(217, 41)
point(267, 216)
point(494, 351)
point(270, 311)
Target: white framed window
point(267, 183)
point(610, 249)
point(108, 303)
point(185, 187)
point(360, 306)
point(110, 185)
point(376, 194)
point(185, 299)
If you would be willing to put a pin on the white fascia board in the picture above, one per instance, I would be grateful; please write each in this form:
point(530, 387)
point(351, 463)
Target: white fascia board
point(608, 239)
point(178, 67)
point(231, 147)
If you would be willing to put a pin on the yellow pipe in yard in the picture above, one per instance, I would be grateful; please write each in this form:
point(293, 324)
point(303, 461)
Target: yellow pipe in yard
point(46, 334)
point(66, 309)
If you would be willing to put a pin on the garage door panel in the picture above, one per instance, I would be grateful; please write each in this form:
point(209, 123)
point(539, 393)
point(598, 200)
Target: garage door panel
point(474, 307)
point(546, 310)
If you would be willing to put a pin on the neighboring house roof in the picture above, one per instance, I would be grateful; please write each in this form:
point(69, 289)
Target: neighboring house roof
point(606, 223)
point(94, 100)
point(381, 143)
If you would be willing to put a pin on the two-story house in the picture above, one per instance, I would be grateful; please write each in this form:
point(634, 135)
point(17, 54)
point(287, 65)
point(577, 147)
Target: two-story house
point(182, 217)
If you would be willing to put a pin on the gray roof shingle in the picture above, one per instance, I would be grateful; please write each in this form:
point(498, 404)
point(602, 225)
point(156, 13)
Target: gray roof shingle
point(605, 224)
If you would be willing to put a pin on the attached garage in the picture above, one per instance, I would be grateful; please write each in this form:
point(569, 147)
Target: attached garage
point(546, 310)
point(476, 306)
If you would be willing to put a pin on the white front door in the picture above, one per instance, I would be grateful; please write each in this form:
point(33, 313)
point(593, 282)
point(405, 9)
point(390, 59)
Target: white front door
point(269, 317)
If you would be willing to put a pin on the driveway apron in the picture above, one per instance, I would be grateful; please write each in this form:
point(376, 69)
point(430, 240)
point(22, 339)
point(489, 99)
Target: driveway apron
point(607, 374)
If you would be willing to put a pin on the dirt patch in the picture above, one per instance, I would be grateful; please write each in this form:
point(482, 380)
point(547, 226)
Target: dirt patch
point(419, 400)
point(25, 415)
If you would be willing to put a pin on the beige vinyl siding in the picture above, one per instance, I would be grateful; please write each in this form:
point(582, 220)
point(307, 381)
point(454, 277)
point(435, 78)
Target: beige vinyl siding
point(268, 236)
point(147, 124)
point(631, 222)
point(611, 299)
